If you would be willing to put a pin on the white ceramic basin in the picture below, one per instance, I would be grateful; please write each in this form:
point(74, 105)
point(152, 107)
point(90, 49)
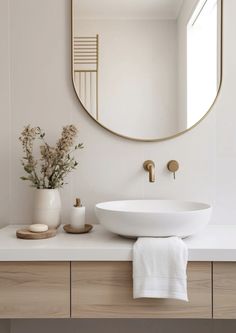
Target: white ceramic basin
point(153, 218)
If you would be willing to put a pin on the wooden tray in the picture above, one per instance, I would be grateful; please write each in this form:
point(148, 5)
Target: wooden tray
point(71, 230)
point(26, 234)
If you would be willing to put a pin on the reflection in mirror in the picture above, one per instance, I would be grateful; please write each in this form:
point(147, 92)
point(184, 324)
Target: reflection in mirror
point(146, 69)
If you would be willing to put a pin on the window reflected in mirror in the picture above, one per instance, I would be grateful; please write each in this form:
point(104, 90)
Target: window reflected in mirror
point(203, 37)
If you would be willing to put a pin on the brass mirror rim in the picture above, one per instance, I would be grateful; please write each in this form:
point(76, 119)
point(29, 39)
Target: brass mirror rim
point(167, 137)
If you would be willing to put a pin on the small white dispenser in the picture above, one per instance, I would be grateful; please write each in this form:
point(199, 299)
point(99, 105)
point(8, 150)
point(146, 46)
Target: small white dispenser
point(77, 216)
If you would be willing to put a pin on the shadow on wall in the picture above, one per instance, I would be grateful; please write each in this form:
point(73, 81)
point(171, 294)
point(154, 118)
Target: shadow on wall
point(121, 326)
point(5, 326)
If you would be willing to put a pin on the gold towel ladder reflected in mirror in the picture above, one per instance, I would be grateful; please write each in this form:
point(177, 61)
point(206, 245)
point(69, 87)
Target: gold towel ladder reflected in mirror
point(85, 71)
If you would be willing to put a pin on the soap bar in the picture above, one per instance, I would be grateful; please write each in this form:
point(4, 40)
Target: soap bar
point(38, 227)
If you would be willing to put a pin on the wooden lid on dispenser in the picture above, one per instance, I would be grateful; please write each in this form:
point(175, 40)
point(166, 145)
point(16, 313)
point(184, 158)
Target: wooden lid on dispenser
point(78, 202)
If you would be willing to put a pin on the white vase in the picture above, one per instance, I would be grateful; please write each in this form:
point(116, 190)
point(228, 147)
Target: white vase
point(47, 207)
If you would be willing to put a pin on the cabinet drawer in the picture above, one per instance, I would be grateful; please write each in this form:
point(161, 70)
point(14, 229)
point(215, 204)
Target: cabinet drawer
point(34, 289)
point(104, 290)
point(224, 290)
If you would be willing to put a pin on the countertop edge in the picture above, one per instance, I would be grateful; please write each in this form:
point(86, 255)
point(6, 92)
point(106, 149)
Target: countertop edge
point(215, 243)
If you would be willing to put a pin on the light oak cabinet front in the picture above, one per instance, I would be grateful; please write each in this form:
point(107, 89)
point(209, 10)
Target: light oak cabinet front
point(224, 290)
point(34, 289)
point(104, 290)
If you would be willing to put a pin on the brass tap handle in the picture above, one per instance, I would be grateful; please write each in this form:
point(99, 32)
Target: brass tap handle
point(173, 166)
point(150, 167)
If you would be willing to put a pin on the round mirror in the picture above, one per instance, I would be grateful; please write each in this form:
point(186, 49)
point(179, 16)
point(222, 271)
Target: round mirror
point(147, 69)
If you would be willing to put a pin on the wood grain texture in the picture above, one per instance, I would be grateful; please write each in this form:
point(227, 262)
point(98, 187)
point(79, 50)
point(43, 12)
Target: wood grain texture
point(26, 234)
point(224, 290)
point(72, 230)
point(34, 289)
point(104, 290)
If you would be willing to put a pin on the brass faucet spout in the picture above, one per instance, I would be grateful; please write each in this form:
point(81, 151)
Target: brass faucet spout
point(150, 167)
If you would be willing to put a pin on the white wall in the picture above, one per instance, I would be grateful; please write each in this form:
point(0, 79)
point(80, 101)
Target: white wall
point(110, 167)
point(134, 57)
point(5, 124)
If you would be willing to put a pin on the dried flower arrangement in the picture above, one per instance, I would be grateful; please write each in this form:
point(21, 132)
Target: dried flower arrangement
point(55, 163)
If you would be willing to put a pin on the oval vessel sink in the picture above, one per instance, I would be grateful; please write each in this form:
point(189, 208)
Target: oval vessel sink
point(153, 218)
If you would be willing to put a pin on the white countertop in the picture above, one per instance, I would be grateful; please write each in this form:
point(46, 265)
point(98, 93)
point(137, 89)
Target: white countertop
point(215, 243)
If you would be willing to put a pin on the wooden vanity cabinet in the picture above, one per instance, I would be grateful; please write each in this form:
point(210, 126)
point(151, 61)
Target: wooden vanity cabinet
point(34, 289)
point(104, 290)
point(224, 290)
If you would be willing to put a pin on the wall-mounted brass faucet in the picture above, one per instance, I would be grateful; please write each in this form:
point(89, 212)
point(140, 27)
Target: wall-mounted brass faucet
point(173, 166)
point(150, 167)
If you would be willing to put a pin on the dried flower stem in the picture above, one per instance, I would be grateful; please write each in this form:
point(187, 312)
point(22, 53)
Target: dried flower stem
point(55, 162)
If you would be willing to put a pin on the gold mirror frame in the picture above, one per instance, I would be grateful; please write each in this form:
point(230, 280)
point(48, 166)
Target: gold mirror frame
point(160, 139)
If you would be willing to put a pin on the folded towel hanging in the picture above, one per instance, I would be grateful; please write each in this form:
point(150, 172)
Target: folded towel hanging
point(159, 268)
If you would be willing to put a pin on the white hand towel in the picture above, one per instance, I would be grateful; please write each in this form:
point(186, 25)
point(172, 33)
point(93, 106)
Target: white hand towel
point(159, 268)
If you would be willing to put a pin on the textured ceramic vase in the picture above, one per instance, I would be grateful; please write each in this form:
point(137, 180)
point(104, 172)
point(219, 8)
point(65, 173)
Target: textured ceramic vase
point(47, 207)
